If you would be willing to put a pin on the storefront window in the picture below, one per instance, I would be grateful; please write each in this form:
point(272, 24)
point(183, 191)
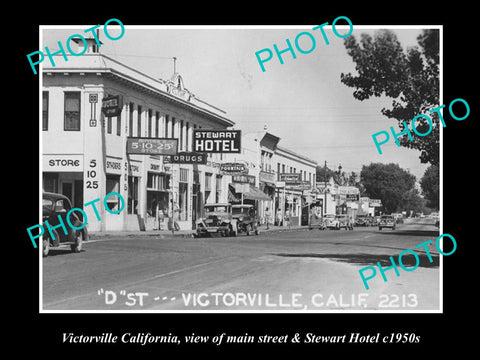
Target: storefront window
point(113, 185)
point(183, 194)
point(218, 188)
point(50, 182)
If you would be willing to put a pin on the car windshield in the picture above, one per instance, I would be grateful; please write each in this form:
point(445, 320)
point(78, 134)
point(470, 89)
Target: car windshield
point(240, 210)
point(387, 217)
point(210, 209)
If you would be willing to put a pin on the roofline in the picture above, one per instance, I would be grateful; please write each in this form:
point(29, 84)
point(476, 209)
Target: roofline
point(115, 73)
point(292, 153)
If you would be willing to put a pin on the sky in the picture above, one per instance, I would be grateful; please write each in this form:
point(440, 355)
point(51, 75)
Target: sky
point(301, 101)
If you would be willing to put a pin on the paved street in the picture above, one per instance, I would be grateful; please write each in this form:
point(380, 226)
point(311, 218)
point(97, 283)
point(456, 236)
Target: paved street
point(296, 270)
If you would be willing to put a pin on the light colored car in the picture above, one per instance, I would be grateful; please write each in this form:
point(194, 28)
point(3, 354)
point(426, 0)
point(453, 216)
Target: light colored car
point(387, 221)
point(331, 222)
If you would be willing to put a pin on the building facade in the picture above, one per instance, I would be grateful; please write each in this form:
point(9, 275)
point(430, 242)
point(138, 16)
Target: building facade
point(295, 187)
point(91, 106)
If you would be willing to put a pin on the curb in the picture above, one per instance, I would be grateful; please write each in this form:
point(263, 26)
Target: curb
point(169, 235)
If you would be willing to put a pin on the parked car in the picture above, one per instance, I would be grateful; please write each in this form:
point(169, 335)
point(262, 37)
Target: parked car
point(218, 220)
point(344, 222)
point(316, 221)
point(398, 218)
point(331, 222)
point(54, 205)
point(247, 219)
point(361, 220)
point(386, 221)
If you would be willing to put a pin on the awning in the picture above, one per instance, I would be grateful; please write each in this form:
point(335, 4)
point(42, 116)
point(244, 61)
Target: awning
point(255, 193)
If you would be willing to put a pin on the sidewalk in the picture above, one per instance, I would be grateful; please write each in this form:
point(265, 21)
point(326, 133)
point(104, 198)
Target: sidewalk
point(181, 233)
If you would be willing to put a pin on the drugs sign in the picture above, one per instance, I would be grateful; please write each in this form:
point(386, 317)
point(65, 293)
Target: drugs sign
point(217, 141)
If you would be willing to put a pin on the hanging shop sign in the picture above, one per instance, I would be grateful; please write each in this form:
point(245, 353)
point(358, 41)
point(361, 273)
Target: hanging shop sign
point(249, 179)
point(375, 202)
point(290, 178)
point(217, 141)
point(186, 158)
point(152, 146)
point(233, 169)
point(352, 197)
point(112, 105)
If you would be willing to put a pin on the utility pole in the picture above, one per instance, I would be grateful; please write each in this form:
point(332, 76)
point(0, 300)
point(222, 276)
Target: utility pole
point(325, 188)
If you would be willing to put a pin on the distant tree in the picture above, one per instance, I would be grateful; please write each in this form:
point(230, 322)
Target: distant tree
point(387, 182)
point(430, 184)
point(410, 78)
point(411, 200)
point(324, 173)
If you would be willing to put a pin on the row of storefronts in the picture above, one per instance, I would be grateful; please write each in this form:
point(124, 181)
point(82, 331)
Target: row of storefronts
point(109, 128)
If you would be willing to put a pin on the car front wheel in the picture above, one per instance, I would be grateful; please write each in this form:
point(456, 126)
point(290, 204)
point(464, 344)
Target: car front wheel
point(46, 245)
point(77, 247)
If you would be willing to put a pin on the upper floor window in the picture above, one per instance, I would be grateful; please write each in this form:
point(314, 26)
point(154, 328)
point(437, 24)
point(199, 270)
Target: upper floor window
point(45, 111)
point(130, 119)
point(72, 111)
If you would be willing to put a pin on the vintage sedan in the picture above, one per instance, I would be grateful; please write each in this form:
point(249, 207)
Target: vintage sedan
point(331, 222)
point(387, 221)
point(344, 222)
point(361, 220)
point(55, 206)
point(247, 220)
point(218, 219)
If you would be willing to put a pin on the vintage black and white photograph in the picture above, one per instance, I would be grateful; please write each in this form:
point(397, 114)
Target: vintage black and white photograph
point(283, 169)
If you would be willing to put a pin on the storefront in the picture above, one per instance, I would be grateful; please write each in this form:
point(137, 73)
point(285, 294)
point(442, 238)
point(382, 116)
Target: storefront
point(64, 174)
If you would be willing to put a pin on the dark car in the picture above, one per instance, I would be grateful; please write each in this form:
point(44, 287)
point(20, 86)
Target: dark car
point(361, 220)
point(386, 221)
point(316, 221)
point(247, 221)
point(54, 205)
point(218, 220)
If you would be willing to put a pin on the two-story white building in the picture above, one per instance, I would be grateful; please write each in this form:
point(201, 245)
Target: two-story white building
point(84, 148)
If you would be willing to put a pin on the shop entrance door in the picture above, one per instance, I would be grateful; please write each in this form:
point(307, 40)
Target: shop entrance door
point(67, 190)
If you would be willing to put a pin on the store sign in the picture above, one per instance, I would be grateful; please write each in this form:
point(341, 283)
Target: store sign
point(112, 105)
point(62, 163)
point(249, 179)
point(352, 197)
point(113, 166)
point(152, 146)
point(233, 169)
point(217, 141)
point(299, 185)
point(290, 178)
point(348, 190)
point(375, 202)
point(267, 177)
point(186, 158)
